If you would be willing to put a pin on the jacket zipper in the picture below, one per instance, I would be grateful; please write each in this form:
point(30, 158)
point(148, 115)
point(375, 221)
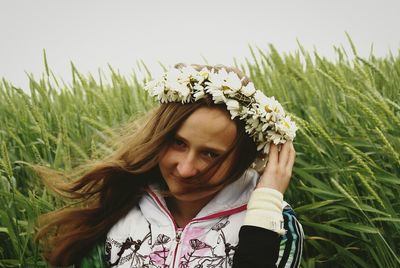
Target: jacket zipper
point(179, 231)
point(178, 236)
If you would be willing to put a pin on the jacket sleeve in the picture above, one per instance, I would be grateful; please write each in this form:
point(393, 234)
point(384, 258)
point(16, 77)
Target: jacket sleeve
point(258, 247)
point(291, 244)
point(270, 236)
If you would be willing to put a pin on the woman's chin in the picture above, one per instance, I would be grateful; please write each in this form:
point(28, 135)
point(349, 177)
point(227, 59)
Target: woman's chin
point(192, 195)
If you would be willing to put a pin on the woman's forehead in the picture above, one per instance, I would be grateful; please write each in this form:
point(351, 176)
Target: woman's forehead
point(209, 127)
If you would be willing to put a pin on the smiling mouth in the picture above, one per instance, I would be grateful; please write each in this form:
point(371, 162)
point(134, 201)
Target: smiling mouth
point(186, 181)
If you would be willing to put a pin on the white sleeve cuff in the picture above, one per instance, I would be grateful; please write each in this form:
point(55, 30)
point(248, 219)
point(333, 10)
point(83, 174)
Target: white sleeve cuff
point(265, 210)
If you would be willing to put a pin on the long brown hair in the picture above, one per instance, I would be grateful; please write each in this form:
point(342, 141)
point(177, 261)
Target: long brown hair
point(109, 189)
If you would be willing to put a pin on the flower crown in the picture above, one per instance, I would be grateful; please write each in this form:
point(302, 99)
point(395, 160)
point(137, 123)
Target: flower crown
point(264, 117)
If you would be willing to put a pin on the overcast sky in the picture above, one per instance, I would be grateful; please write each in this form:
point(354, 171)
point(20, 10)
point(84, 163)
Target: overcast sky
point(93, 33)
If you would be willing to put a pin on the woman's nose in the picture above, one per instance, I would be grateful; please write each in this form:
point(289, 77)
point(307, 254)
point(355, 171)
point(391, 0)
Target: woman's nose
point(187, 168)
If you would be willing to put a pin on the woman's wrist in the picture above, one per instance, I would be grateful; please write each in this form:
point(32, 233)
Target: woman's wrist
point(269, 185)
point(264, 210)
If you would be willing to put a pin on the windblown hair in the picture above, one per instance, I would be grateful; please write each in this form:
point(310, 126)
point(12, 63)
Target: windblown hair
point(108, 190)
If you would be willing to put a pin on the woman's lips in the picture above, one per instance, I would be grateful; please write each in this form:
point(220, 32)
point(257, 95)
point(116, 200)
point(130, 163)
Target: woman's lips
point(185, 181)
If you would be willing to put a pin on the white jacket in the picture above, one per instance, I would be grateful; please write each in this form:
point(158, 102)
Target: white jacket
point(148, 236)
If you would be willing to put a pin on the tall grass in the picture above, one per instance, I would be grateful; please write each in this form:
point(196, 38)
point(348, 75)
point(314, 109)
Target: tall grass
point(346, 179)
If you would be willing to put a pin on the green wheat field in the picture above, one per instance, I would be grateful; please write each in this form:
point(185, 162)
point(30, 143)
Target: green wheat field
point(346, 182)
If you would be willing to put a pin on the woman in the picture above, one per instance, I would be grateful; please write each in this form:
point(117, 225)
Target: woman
point(175, 193)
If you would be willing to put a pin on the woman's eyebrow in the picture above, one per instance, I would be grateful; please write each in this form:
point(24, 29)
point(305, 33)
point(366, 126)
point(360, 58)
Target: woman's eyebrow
point(216, 150)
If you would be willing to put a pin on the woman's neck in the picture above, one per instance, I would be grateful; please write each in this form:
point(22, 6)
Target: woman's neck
point(184, 211)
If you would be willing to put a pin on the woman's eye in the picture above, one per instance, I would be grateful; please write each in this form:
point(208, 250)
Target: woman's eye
point(178, 142)
point(211, 155)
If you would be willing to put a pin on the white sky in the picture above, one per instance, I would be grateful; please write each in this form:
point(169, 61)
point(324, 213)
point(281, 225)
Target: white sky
point(93, 33)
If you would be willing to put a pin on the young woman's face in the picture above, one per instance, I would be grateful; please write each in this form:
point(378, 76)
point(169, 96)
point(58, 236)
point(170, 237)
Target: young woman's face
point(205, 134)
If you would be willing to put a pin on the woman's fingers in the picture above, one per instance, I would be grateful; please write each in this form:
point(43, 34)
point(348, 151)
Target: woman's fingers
point(291, 158)
point(286, 159)
point(279, 167)
point(273, 154)
point(284, 154)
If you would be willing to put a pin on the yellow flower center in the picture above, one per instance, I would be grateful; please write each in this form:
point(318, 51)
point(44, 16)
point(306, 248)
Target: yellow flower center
point(267, 109)
point(204, 74)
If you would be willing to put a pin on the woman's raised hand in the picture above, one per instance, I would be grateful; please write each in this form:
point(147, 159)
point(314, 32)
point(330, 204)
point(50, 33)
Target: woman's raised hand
point(278, 171)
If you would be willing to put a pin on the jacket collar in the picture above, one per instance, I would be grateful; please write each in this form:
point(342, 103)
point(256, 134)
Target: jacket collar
point(233, 198)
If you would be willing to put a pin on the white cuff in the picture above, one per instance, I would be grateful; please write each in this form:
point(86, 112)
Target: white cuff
point(265, 210)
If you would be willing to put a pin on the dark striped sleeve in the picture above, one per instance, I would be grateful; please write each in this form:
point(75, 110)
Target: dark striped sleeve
point(291, 244)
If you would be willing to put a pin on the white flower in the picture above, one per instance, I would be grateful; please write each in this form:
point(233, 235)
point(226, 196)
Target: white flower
point(252, 124)
point(260, 97)
point(263, 146)
point(202, 75)
point(275, 137)
point(248, 90)
point(173, 75)
point(217, 96)
point(216, 80)
point(165, 97)
point(189, 71)
point(233, 82)
point(287, 127)
point(177, 91)
point(233, 107)
point(244, 112)
point(272, 105)
point(266, 126)
point(158, 90)
point(268, 104)
point(199, 92)
point(228, 83)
